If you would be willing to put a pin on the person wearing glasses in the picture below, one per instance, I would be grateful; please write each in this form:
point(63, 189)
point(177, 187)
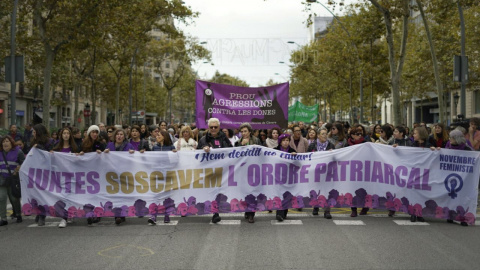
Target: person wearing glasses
point(337, 135)
point(298, 142)
point(386, 135)
point(247, 139)
point(110, 130)
point(214, 138)
point(356, 137)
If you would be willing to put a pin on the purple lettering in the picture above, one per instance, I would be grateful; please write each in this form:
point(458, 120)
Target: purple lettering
point(343, 170)
point(79, 182)
point(414, 179)
point(425, 178)
point(319, 170)
point(303, 172)
point(293, 174)
point(367, 170)
point(92, 178)
point(55, 182)
point(31, 175)
point(68, 181)
point(403, 171)
point(254, 175)
point(332, 172)
point(377, 172)
point(42, 182)
point(281, 170)
point(267, 174)
point(231, 176)
point(356, 170)
point(389, 178)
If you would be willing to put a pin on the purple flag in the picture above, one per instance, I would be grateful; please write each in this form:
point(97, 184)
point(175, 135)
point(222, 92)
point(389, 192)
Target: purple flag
point(262, 107)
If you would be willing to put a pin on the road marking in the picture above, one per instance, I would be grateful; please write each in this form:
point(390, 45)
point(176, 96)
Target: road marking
point(172, 223)
point(144, 250)
point(226, 222)
point(348, 222)
point(409, 223)
point(287, 222)
point(47, 224)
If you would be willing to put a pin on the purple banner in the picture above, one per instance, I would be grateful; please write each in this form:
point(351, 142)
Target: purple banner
point(262, 107)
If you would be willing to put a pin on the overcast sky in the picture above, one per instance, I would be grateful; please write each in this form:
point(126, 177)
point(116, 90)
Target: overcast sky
point(248, 38)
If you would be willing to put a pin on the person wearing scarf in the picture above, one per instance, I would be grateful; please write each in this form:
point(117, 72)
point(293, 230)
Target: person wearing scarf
point(386, 135)
point(355, 138)
point(439, 138)
point(247, 139)
point(120, 143)
point(284, 146)
point(318, 145)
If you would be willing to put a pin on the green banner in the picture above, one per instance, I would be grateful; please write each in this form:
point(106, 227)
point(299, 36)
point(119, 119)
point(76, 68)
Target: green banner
point(301, 112)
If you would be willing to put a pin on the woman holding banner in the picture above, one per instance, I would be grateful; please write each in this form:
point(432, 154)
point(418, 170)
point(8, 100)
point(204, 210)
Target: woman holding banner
point(90, 144)
point(284, 146)
point(41, 141)
point(120, 144)
point(318, 145)
point(247, 139)
point(337, 135)
point(272, 138)
point(186, 141)
point(214, 138)
point(356, 137)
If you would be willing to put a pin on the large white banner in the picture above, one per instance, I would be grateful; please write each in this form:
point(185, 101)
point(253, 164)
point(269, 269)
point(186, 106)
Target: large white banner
point(440, 184)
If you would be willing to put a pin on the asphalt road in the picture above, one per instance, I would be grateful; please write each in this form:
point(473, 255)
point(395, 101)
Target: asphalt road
point(303, 241)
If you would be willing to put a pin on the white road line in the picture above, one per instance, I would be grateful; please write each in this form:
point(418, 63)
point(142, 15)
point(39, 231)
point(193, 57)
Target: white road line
point(227, 222)
point(172, 223)
point(409, 223)
point(47, 224)
point(348, 222)
point(287, 222)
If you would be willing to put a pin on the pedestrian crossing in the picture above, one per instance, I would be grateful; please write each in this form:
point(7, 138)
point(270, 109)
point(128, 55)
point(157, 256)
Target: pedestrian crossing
point(228, 219)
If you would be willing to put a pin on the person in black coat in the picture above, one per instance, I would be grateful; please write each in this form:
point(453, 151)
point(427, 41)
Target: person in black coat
point(214, 138)
point(284, 146)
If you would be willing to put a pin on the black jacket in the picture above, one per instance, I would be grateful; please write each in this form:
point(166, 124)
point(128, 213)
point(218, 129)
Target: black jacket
point(221, 141)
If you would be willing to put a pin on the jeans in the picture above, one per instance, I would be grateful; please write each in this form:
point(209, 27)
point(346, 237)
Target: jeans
point(4, 193)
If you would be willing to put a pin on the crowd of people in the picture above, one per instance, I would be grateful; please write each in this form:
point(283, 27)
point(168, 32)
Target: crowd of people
point(296, 138)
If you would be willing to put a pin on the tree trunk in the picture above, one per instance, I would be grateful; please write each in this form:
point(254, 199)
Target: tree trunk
point(395, 68)
point(47, 76)
point(435, 63)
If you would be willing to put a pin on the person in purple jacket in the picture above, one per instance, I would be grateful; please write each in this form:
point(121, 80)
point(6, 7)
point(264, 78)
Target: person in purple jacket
point(120, 143)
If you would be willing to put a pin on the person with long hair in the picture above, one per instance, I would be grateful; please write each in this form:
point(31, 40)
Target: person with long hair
point(337, 135)
point(66, 144)
point(356, 137)
point(136, 140)
point(319, 145)
point(92, 143)
point(144, 132)
point(186, 141)
point(120, 144)
point(42, 141)
point(12, 157)
point(272, 138)
point(376, 132)
point(386, 135)
point(164, 143)
point(439, 138)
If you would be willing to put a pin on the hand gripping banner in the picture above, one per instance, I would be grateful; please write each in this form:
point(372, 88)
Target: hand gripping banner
point(434, 184)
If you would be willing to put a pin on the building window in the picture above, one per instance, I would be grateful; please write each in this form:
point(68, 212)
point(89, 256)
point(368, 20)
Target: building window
point(477, 101)
point(167, 64)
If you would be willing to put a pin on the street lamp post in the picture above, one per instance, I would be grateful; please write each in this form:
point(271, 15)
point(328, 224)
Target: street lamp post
point(456, 97)
point(86, 114)
point(374, 114)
